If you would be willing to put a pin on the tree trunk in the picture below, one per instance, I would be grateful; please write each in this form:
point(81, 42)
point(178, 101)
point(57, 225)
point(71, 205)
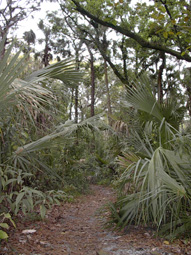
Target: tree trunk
point(71, 103)
point(76, 89)
point(124, 57)
point(160, 86)
point(92, 79)
point(92, 85)
point(4, 38)
point(46, 55)
point(108, 92)
point(76, 105)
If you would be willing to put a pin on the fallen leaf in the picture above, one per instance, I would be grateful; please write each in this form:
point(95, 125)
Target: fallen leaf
point(28, 231)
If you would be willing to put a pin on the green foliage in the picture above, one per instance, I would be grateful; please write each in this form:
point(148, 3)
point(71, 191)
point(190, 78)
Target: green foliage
point(41, 165)
point(159, 187)
point(4, 217)
point(21, 162)
point(15, 196)
point(155, 173)
point(43, 156)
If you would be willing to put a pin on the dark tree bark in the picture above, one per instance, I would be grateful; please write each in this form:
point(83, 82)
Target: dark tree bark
point(76, 105)
point(124, 57)
point(113, 66)
point(160, 85)
point(92, 85)
point(101, 47)
point(108, 92)
point(92, 79)
point(105, 44)
point(77, 50)
point(46, 56)
point(188, 105)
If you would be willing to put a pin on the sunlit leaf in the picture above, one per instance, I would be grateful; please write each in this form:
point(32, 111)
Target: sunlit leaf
point(3, 235)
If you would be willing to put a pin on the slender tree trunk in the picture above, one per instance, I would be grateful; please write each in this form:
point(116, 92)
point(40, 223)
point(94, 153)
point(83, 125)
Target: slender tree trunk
point(136, 63)
point(124, 57)
point(92, 80)
point(76, 89)
point(82, 113)
point(76, 105)
point(188, 105)
point(71, 103)
point(2, 53)
point(92, 85)
point(46, 55)
point(108, 92)
point(160, 86)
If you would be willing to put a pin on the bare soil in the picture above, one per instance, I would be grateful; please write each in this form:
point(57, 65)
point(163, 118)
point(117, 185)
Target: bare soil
point(77, 229)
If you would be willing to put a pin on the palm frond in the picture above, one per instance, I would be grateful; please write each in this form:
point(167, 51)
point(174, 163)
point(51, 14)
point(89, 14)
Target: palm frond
point(9, 71)
point(63, 131)
point(164, 183)
point(140, 96)
point(64, 71)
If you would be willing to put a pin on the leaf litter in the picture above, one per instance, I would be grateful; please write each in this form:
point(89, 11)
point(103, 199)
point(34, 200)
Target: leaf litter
point(77, 229)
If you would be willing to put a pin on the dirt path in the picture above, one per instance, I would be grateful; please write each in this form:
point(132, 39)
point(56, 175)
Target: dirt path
point(76, 229)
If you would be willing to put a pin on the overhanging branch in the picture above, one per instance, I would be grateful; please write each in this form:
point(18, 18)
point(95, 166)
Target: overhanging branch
point(133, 35)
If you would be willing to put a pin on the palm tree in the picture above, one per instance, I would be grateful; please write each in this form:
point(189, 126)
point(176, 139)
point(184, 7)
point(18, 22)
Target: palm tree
point(20, 101)
point(156, 165)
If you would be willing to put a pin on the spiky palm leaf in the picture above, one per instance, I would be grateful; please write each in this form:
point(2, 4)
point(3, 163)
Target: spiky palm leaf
point(10, 86)
point(162, 188)
point(60, 135)
point(140, 96)
point(28, 96)
point(64, 71)
point(24, 100)
point(160, 170)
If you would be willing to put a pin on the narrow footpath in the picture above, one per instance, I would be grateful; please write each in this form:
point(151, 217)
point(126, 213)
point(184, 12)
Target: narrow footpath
point(77, 229)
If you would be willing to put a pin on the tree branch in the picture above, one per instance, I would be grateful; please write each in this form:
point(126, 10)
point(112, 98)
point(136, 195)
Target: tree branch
point(101, 50)
point(175, 26)
point(133, 35)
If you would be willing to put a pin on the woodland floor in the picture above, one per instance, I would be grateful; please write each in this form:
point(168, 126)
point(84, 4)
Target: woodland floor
point(77, 229)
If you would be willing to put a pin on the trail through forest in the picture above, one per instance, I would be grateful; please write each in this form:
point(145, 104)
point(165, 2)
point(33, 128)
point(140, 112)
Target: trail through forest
point(77, 229)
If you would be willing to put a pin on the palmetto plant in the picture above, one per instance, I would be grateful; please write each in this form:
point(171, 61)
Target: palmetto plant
point(157, 167)
point(21, 100)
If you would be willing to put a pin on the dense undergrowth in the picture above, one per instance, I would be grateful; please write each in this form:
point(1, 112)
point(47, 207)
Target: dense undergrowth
point(46, 158)
point(154, 184)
